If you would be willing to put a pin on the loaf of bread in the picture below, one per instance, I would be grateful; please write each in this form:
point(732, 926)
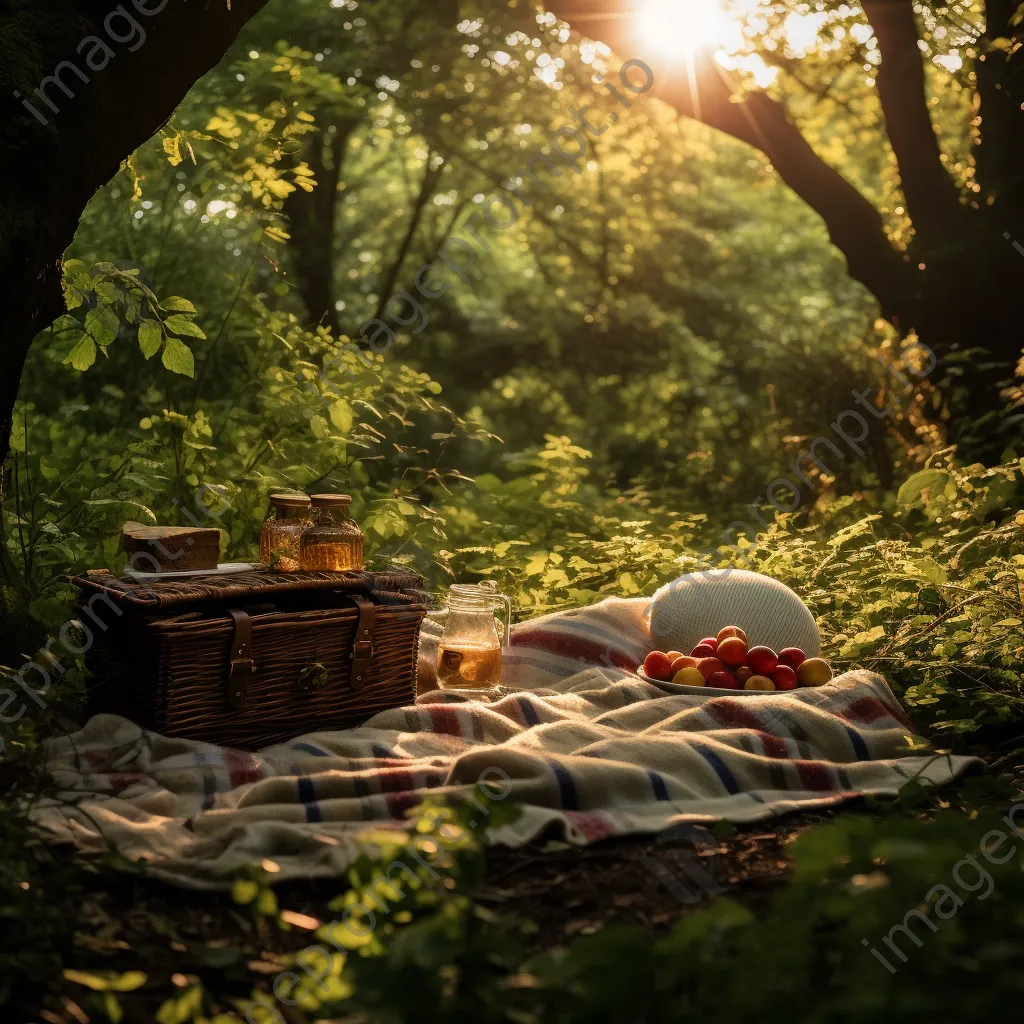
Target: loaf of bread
point(170, 548)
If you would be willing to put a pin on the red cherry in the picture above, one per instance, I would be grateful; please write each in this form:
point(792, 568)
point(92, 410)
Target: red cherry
point(792, 656)
point(762, 660)
point(723, 680)
point(784, 678)
point(711, 641)
point(657, 666)
point(702, 651)
point(709, 666)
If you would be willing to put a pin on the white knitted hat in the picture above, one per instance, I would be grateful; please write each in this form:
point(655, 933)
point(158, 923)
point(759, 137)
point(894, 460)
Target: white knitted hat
point(699, 604)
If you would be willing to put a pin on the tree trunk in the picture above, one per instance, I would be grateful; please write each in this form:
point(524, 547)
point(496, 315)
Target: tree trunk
point(64, 136)
point(313, 220)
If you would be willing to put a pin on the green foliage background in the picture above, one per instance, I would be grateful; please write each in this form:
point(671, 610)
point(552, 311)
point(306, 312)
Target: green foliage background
point(651, 344)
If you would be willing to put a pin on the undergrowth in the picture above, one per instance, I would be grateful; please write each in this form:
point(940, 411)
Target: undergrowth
point(925, 589)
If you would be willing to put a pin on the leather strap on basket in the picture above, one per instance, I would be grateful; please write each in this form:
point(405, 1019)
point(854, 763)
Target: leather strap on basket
point(242, 666)
point(362, 648)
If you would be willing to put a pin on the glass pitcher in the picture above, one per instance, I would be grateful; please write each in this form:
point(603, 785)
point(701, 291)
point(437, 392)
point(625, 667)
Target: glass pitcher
point(469, 652)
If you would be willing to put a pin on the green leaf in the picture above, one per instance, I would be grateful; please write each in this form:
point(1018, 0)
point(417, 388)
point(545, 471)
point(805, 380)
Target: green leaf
point(178, 305)
point(151, 337)
point(180, 324)
point(107, 981)
point(341, 415)
point(931, 480)
point(112, 1008)
point(319, 427)
point(183, 1008)
point(75, 268)
point(177, 358)
point(244, 890)
point(102, 324)
point(83, 355)
point(128, 982)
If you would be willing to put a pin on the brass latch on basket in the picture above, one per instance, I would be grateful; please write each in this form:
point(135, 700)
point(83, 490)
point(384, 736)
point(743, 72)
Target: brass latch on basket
point(242, 666)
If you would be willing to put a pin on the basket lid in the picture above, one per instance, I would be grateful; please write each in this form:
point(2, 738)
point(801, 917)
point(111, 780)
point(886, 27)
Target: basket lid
point(178, 592)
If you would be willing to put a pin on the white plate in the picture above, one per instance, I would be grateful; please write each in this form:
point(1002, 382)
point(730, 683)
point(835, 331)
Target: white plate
point(714, 691)
point(224, 569)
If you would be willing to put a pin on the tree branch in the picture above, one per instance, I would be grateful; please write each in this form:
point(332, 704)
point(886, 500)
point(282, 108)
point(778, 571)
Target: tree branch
point(932, 197)
point(431, 176)
point(702, 90)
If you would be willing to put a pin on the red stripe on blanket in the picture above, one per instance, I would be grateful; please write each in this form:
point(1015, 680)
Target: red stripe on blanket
point(594, 825)
point(395, 780)
point(732, 713)
point(737, 715)
point(122, 780)
point(242, 767)
point(399, 803)
point(870, 709)
point(570, 646)
point(814, 775)
point(774, 746)
point(444, 720)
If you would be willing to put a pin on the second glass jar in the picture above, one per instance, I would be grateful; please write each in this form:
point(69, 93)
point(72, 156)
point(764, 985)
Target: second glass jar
point(334, 542)
point(281, 534)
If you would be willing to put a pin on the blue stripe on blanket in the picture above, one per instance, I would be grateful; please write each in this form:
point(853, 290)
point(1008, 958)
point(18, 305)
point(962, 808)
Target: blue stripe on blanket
point(529, 711)
point(307, 796)
point(727, 778)
point(860, 748)
point(658, 785)
point(308, 748)
point(566, 786)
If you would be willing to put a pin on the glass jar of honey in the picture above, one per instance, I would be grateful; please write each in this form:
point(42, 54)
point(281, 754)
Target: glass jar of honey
point(334, 542)
point(281, 534)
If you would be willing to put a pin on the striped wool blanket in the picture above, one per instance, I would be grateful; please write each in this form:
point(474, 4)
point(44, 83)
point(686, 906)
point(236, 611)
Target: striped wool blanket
point(584, 746)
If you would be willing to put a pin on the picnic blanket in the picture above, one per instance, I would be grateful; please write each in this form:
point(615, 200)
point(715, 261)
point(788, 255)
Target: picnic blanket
point(586, 748)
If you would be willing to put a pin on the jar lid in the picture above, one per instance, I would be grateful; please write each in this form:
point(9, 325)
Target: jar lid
point(330, 500)
point(290, 500)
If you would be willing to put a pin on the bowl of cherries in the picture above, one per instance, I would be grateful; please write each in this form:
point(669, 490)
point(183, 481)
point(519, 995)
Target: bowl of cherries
point(725, 662)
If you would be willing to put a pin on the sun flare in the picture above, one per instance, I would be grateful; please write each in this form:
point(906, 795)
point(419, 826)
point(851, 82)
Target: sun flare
point(678, 28)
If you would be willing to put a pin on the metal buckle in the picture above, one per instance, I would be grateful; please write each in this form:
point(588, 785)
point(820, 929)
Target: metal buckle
point(362, 650)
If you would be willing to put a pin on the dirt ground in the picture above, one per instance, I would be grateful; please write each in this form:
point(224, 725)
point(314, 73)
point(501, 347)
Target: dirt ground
point(134, 923)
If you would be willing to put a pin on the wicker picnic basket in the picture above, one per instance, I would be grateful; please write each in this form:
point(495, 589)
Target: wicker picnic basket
point(250, 658)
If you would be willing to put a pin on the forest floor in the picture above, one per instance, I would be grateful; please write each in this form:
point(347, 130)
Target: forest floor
point(128, 922)
point(109, 917)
